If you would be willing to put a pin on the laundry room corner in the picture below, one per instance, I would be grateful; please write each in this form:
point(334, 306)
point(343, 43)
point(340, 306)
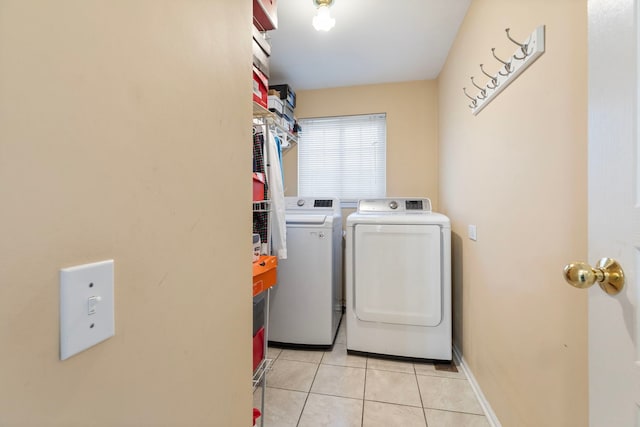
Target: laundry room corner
point(517, 172)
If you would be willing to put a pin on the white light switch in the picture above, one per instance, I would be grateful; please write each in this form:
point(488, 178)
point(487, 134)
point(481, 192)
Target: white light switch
point(86, 307)
point(92, 304)
point(473, 235)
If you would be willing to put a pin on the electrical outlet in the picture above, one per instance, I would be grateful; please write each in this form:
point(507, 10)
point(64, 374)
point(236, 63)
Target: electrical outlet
point(86, 307)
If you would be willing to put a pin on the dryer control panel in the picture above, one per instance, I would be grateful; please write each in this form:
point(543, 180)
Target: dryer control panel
point(392, 205)
point(293, 203)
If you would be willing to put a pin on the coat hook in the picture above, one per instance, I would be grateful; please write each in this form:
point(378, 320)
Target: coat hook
point(494, 80)
point(483, 91)
point(474, 101)
point(524, 48)
point(507, 65)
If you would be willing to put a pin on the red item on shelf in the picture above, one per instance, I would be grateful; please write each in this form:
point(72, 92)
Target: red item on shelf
point(258, 348)
point(265, 14)
point(258, 186)
point(256, 415)
point(260, 88)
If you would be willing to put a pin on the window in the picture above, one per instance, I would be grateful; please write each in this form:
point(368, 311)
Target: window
point(343, 157)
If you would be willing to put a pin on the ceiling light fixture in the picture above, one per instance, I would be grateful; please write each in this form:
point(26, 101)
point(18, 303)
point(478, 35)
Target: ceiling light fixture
point(323, 20)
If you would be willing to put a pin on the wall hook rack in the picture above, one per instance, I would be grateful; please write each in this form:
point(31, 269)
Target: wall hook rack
point(525, 55)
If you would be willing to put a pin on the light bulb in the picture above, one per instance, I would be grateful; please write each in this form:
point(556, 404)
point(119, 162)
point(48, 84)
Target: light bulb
point(323, 20)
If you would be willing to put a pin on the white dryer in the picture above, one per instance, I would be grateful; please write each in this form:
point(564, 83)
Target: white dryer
point(398, 280)
point(306, 304)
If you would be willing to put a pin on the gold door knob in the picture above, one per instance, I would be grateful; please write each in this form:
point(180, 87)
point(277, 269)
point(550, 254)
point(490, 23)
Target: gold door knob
point(608, 273)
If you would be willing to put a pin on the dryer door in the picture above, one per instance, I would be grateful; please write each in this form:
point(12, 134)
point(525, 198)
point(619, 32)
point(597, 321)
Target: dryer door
point(397, 274)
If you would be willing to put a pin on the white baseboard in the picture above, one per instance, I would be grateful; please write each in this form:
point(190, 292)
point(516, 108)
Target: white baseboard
point(486, 407)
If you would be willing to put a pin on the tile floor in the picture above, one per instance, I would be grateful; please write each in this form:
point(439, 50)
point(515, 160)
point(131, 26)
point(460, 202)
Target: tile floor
point(316, 388)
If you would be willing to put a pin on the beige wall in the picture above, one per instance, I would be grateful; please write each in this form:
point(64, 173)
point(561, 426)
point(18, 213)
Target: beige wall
point(412, 131)
point(125, 134)
point(518, 171)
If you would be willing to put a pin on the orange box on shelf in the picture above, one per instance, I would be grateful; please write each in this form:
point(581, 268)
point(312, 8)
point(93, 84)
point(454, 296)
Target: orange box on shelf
point(264, 273)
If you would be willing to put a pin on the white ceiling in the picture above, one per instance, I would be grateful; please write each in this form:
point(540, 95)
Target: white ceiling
point(373, 41)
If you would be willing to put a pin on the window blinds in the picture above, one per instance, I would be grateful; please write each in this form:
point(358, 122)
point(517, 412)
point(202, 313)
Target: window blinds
point(343, 157)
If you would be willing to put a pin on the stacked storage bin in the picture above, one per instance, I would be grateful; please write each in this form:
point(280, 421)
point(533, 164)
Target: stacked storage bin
point(264, 19)
point(282, 101)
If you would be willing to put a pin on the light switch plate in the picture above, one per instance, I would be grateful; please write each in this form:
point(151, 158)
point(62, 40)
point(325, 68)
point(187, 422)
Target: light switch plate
point(86, 307)
point(473, 232)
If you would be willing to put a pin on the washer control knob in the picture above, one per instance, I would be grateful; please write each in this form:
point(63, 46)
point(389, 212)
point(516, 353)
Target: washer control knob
point(393, 204)
point(300, 202)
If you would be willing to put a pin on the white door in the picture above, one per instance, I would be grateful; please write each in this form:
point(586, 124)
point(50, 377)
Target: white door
point(397, 274)
point(614, 215)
